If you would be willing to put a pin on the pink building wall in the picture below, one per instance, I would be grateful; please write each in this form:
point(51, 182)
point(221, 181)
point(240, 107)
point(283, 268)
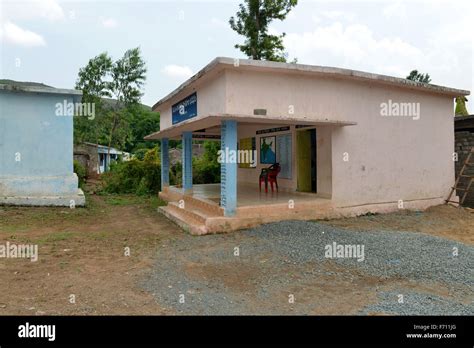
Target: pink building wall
point(390, 158)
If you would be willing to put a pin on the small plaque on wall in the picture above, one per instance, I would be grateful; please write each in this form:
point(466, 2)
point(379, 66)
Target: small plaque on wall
point(273, 130)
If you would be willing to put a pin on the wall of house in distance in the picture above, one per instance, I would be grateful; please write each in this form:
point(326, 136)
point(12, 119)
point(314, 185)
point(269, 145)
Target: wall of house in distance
point(36, 146)
point(463, 144)
point(390, 158)
point(88, 156)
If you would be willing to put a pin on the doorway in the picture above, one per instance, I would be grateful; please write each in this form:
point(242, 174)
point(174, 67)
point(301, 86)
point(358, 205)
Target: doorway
point(306, 161)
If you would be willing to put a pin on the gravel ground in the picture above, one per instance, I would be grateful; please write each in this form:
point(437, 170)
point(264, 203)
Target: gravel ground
point(283, 258)
point(417, 304)
point(387, 253)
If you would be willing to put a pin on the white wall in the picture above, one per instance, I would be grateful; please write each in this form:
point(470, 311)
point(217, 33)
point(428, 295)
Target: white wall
point(390, 158)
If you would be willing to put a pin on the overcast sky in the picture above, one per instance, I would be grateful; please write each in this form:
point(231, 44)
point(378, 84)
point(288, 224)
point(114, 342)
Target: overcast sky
point(49, 40)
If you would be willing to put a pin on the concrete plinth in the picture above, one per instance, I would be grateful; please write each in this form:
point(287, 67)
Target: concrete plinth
point(41, 191)
point(77, 200)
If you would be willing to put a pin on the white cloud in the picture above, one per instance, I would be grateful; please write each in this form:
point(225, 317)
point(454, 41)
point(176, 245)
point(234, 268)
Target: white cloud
point(273, 31)
point(219, 23)
point(19, 10)
point(334, 15)
point(13, 11)
point(13, 34)
point(108, 23)
point(177, 71)
point(395, 10)
point(316, 19)
point(353, 46)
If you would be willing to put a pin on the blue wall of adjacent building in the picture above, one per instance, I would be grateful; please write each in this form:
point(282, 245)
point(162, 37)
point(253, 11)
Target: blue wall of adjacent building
point(36, 145)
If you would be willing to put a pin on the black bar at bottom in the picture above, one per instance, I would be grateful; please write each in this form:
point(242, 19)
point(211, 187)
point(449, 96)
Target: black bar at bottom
point(140, 330)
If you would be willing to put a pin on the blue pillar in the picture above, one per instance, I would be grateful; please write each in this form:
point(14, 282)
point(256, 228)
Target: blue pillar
point(165, 164)
point(229, 170)
point(187, 162)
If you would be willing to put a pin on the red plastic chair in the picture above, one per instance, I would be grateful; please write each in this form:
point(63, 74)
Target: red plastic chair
point(269, 175)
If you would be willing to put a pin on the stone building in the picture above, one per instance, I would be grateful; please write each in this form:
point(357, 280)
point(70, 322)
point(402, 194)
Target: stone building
point(464, 142)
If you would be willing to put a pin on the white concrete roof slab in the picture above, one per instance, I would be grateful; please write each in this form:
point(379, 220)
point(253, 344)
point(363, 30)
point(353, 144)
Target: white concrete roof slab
point(38, 89)
point(322, 71)
point(210, 121)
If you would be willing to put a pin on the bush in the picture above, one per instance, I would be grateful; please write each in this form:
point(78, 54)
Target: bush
point(139, 177)
point(206, 169)
point(140, 154)
point(80, 171)
point(176, 174)
point(206, 172)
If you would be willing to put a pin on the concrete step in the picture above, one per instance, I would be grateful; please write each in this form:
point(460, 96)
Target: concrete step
point(192, 211)
point(202, 205)
point(183, 220)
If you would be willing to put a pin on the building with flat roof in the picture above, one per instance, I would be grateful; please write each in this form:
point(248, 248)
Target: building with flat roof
point(347, 143)
point(36, 146)
point(97, 158)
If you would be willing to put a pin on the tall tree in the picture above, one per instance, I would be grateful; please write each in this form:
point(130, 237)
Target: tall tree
point(419, 77)
point(253, 20)
point(121, 80)
point(92, 81)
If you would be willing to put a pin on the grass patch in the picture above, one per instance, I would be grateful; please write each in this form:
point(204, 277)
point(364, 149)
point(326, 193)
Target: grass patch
point(21, 220)
point(99, 235)
point(55, 237)
point(125, 200)
point(122, 200)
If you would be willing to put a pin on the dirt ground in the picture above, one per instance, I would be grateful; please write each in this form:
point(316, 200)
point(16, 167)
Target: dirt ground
point(443, 221)
point(82, 253)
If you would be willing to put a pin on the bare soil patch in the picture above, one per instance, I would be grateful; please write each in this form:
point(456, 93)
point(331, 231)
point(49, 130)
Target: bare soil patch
point(443, 221)
point(81, 253)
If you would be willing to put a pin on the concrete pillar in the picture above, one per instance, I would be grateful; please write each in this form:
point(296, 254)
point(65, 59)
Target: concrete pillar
point(229, 170)
point(187, 162)
point(165, 164)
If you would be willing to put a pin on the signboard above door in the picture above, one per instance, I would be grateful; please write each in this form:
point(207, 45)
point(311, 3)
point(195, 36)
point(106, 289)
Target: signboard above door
point(273, 130)
point(185, 109)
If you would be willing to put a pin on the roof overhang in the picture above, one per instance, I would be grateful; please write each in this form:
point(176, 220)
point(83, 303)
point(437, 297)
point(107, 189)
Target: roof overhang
point(210, 121)
point(221, 63)
point(39, 89)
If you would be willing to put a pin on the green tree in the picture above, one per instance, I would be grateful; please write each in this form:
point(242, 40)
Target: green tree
point(419, 77)
point(461, 109)
point(143, 122)
point(253, 20)
point(121, 80)
point(137, 121)
point(92, 81)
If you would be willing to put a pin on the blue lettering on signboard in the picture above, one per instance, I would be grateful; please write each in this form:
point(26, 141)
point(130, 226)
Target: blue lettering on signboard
point(185, 109)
